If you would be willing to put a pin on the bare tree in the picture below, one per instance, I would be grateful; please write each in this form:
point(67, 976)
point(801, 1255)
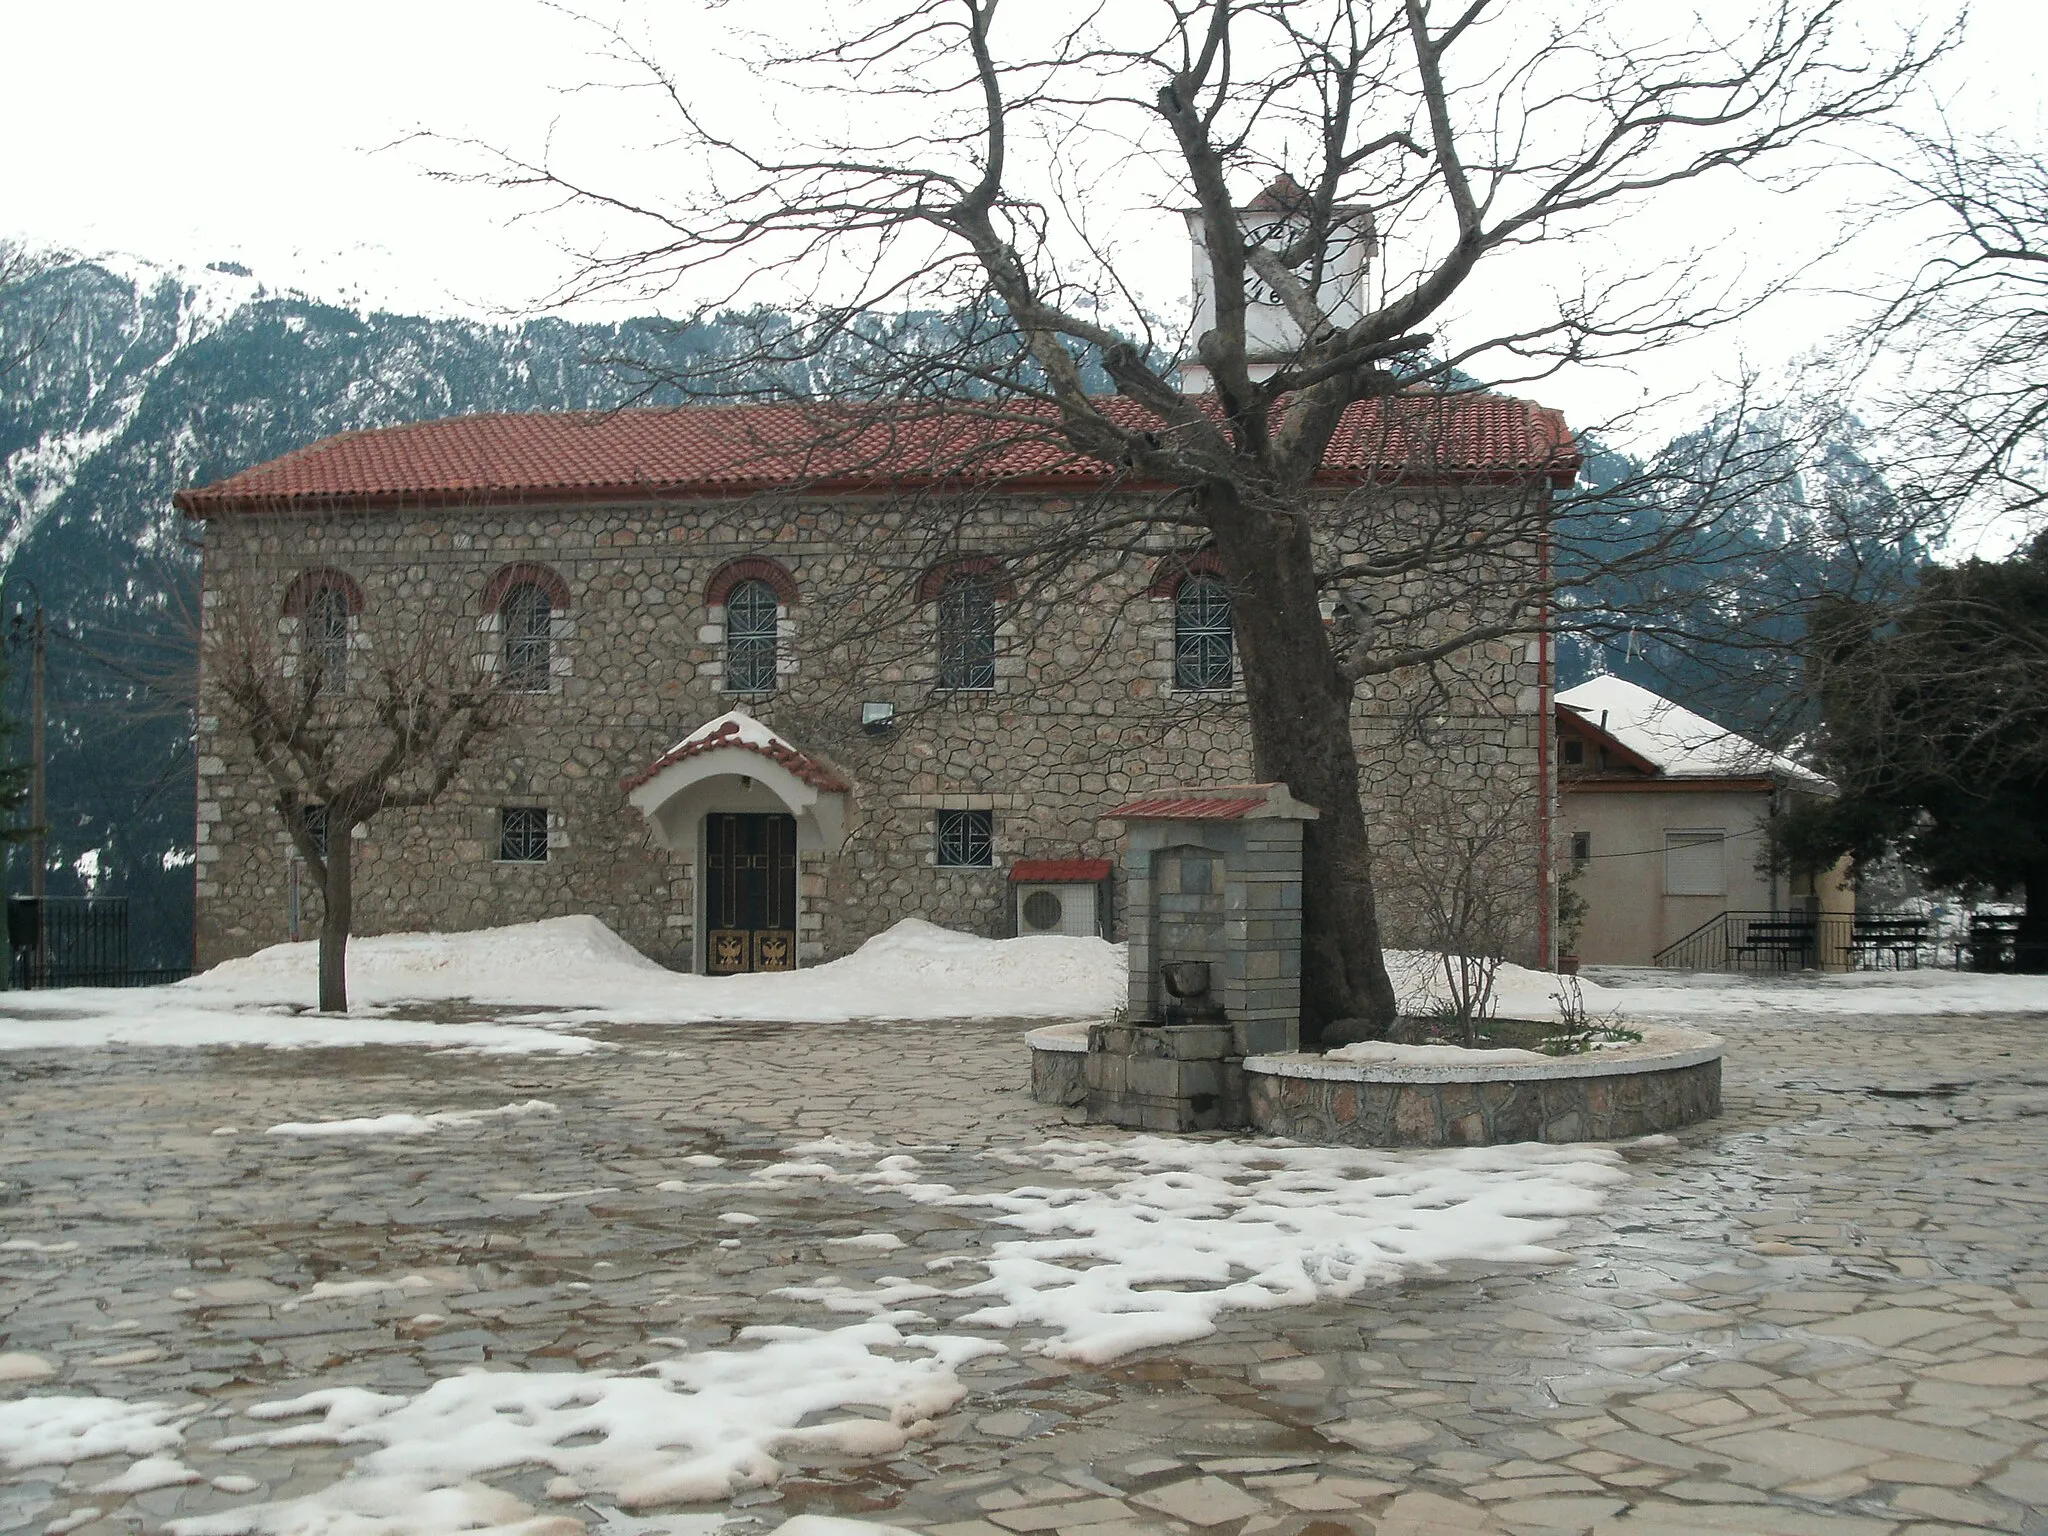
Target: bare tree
point(1426, 148)
point(1967, 333)
point(1456, 865)
point(345, 721)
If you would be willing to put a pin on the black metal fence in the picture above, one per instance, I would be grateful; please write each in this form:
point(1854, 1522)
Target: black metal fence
point(75, 942)
point(1805, 941)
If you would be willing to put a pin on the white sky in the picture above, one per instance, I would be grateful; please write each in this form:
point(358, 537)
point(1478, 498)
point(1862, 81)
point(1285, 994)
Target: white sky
point(252, 131)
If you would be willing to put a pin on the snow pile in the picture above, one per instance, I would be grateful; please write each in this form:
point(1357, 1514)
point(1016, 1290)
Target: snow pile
point(1386, 1052)
point(573, 971)
point(1518, 992)
point(1638, 993)
point(689, 1429)
point(548, 963)
point(402, 1124)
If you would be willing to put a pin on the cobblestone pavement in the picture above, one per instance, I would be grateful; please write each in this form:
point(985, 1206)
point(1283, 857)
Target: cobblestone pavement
point(1825, 1313)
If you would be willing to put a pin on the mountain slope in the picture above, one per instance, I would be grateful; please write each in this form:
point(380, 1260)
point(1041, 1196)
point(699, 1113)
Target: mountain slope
point(143, 381)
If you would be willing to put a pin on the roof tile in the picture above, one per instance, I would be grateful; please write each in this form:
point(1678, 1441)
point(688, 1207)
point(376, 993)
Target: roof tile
point(809, 769)
point(726, 449)
point(1059, 871)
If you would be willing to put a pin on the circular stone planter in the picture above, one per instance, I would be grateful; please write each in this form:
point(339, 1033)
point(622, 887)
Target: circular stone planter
point(1672, 1077)
point(1058, 1052)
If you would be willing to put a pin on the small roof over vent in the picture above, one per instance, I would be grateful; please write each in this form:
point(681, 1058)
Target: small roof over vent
point(1228, 802)
point(1059, 871)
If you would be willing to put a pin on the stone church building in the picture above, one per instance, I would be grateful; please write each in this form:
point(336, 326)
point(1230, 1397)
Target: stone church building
point(773, 701)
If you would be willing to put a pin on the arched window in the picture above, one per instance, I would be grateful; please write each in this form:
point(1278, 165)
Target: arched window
point(967, 631)
point(321, 605)
point(526, 626)
point(521, 608)
point(324, 652)
point(751, 608)
point(1201, 634)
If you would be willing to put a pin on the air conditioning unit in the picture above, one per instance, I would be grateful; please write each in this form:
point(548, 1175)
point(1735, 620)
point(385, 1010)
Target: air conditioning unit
point(1063, 896)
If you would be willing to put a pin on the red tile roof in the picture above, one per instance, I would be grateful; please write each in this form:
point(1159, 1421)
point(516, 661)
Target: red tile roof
point(1183, 808)
point(729, 449)
point(1059, 871)
point(809, 769)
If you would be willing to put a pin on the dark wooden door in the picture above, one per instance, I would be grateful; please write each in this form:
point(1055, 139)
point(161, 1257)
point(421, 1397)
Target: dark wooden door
point(750, 894)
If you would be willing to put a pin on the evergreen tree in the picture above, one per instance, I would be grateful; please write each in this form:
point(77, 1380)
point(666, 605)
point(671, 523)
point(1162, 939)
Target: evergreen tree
point(1935, 726)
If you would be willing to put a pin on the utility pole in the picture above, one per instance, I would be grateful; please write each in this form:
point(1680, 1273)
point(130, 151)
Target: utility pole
point(37, 852)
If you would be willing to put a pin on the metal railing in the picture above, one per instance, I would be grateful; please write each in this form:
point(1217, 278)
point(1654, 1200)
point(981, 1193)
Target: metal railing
point(1804, 941)
point(72, 942)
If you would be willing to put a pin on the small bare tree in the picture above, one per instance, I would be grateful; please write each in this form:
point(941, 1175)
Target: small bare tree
point(345, 722)
point(1457, 865)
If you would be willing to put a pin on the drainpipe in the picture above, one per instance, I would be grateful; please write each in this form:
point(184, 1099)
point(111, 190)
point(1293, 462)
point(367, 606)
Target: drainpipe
point(1546, 876)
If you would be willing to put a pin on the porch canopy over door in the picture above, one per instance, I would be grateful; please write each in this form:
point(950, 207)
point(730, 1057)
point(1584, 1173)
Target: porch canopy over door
point(735, 764)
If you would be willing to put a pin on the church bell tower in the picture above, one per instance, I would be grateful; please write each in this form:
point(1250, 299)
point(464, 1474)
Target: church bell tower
point(1273, 219)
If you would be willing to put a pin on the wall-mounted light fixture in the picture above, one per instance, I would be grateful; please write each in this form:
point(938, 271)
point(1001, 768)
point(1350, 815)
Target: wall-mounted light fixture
point(877, 719)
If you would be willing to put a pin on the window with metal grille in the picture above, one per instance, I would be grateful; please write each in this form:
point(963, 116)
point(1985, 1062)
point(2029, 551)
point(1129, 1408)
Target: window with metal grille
point(967, 633)
point(750, 626)
point(326, 640)
point(522, 835)
point(1582, 849)
point(966, 839)
point(1201, 634)
point(313, 818)
point(526, 620)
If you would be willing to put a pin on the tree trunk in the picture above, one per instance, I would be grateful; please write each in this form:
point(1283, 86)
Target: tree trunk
point(1300, 707)
point(2030, 939)
point(337, 904)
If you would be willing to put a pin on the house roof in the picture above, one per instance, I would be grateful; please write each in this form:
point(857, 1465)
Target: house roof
point(734, 729)
point(1674, 742)
point(1059, 871)
point(708, 450)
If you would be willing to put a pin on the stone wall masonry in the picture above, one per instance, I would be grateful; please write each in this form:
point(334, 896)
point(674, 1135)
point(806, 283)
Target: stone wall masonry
point(1341, 1112)
point(1084, 714)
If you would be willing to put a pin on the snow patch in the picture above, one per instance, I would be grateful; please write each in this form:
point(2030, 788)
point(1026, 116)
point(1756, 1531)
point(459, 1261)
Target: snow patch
point(689, 1429)
point(409, 1124)
point(1431, 1055)
point(56, 1431)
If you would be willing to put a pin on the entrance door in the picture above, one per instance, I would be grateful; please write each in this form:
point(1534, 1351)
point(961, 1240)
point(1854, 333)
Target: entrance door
point(749, 894)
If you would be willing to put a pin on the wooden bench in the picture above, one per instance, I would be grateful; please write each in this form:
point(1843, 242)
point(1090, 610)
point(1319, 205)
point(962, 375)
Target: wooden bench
point(1789, 942)
point(1893, 940)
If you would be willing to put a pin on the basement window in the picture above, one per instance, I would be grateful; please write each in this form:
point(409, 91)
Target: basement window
point(966, 839)
point(522, 835)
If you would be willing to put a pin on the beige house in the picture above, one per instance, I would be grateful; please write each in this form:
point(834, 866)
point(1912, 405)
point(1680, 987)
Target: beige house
point(1661, 815)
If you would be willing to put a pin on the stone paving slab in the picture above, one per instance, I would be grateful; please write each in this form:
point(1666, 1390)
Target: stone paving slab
point(1825, 1314)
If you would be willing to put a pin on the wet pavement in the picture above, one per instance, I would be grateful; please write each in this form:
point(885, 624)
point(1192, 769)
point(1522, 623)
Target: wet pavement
point(1826, 1312)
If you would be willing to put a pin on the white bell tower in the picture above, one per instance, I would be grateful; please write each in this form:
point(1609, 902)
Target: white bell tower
point(1272, 219)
